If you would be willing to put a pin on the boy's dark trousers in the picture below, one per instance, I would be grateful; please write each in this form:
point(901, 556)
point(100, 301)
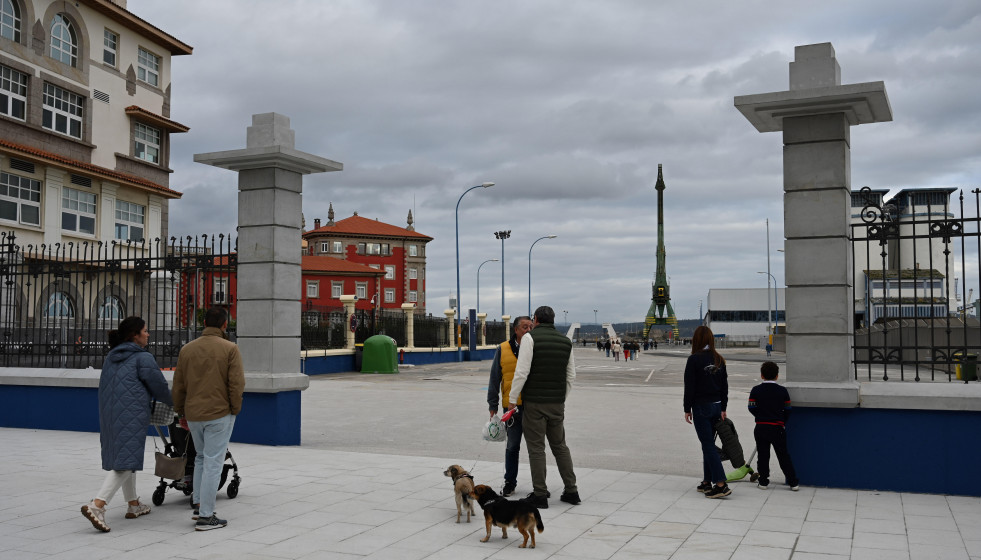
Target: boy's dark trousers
point(767, 435)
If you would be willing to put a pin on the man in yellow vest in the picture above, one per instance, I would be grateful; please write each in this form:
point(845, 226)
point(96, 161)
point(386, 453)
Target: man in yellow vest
point(502, 372)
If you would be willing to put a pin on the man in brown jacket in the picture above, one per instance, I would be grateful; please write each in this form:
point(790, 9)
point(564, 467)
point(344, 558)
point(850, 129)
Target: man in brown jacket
point(208, 386)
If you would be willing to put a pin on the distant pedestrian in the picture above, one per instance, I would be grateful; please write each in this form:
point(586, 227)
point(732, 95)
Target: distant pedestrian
point(770, 404)
point(616, 349)
point(705, 401)
point(607, 346)
point(130, 378)
point(769, 348)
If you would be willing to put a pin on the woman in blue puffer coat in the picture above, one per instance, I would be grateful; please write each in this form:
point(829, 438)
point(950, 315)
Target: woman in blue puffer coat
point(130, 377)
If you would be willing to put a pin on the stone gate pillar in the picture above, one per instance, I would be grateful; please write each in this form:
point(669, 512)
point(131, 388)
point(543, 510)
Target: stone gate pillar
point(451, 325)
point(482, 320)
point(349, 301)
point(815, 116)
point(270, 184)
point(506, 319)
point(410, 324)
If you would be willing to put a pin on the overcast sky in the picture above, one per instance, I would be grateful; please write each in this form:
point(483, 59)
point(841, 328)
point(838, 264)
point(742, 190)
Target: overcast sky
point(569, 106)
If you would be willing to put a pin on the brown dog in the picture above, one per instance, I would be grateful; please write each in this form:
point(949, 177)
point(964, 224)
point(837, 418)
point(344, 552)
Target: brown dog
point(462, 490)
point(505, 513)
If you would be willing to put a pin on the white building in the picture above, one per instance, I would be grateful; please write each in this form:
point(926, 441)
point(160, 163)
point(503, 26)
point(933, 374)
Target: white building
point(745, 314)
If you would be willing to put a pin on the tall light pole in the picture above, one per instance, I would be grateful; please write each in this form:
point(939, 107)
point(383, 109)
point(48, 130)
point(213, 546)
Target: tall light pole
point(775, 303)
point(529, 267)
point(595, 320)
point(478, 281)
point(502, 235)
point(768, 312)
point(459, 349)
point(566, 317)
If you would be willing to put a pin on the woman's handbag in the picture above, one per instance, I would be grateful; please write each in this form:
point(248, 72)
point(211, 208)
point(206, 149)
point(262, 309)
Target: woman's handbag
point(171, 468)
point(161, 414)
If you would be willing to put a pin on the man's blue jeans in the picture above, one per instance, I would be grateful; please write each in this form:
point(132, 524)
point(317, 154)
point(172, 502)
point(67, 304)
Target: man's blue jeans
point(704, 417)
point(211, 442)
point(513, 447)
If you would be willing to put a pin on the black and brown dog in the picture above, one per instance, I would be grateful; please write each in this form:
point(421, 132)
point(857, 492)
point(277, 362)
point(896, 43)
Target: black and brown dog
point(505, 513)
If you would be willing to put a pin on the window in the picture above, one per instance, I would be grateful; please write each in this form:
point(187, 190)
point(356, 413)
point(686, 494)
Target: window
point(337, 247)
point(64, 45)
point(109, 42)
point(20, 199)
point(129, 221)
point(13, 92)
point(389, 272)
point(336, 289)
point(413, 297)
point(10, 20)
point(413, 274)
point(62, 111)
point(361, 248)
point(361, 290)
point(77, 211)
point(220, 294)
point(59, 306)
point(111, 309)
point(324, 247)
point(413, 250)
point(147, 143)
point(148, 67)
point(313, 289)
point(389, 295)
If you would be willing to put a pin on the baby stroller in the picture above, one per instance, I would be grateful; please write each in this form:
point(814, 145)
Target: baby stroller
point(180, 444)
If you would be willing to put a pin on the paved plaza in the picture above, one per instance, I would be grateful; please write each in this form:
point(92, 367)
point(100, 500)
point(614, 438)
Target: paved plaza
point(367, 483)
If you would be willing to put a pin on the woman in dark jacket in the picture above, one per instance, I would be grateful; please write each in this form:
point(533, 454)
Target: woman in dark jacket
point(706, 397)
point(130, 377)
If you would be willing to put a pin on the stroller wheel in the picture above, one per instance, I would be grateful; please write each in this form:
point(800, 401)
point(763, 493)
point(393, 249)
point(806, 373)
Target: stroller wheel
point(233, 488)
point(158, 496)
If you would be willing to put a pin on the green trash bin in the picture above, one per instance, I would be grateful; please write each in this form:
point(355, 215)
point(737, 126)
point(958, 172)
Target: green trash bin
point(969, 368)
point(380, 355)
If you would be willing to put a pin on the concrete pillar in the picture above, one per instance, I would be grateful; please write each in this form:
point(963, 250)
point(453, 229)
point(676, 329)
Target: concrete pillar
point(270, 186)
point(349, 303)
point(451, 329)
point(482, 319)
point(506, 319)
point(410, 324)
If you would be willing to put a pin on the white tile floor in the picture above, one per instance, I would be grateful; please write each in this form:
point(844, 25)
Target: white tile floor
point(298, 503)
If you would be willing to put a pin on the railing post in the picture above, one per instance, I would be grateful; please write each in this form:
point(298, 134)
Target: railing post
point(348, 302)
point(482, 319)
point(410, 324)
point(451, 326)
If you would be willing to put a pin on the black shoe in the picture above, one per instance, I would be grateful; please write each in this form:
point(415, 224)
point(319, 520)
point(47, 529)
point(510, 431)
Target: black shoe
point(540, 502)
point(718, 491)
point(704, 487)
point(570, 498)
point(197, 512)
point(209, 523)
point(508, 488)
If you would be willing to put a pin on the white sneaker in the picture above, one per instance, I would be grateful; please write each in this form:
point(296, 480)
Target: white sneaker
point(97, 515)
point(795, 488)
point(132, 512)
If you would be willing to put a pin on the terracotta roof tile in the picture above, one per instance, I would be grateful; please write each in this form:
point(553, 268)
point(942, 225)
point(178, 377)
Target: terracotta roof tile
point(102, 172)
point(358, 225)
point(320, 263)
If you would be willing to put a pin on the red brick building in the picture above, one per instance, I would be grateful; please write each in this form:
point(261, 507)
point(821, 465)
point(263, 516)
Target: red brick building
point(326, 279)
point(398, 254)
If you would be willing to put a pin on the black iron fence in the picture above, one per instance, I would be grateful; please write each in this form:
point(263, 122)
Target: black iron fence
point(917, 264)
point(58, 301)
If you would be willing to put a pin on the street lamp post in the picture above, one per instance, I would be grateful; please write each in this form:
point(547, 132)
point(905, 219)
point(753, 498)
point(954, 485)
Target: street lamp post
point(529, 267)
point(478, 281)
point(776, 304)
point(566, 317)
point(595, 320)
point(459, 349)
point(502, 235)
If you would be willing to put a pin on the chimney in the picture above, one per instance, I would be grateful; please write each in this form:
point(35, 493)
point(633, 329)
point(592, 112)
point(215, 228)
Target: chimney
point(316, 223)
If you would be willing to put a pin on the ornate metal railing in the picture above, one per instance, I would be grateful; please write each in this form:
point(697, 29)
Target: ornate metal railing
point(916, 273)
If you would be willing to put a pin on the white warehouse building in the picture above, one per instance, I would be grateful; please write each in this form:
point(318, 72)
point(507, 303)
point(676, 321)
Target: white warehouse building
point(745, 315)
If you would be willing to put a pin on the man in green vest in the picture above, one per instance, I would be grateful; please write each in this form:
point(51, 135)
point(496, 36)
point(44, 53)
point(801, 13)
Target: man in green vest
point(543, 379)
point(501, 374)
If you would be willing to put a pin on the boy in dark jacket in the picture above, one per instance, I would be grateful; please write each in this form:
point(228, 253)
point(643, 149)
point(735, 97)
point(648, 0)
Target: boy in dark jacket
point(770, 404)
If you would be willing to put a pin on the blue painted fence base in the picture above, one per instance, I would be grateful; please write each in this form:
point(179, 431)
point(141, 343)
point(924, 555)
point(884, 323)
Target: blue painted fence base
point(266, 418)
point(927, 451)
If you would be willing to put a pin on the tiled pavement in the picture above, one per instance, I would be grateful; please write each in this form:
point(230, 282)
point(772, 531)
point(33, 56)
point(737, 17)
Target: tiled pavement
point(296, 502)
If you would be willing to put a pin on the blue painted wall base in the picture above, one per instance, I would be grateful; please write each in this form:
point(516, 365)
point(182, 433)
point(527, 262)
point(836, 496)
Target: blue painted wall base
point(928, 451)
point(344, 363)
point(266, 418)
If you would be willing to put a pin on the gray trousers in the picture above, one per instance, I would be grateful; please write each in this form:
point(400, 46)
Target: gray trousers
point(545, 421)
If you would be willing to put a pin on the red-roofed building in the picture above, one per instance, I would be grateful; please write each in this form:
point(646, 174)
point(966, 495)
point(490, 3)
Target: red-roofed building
point(397, 253)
